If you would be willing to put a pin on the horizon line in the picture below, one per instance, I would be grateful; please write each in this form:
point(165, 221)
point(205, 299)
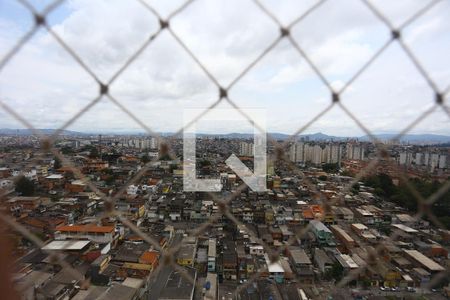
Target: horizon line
point(139, 132)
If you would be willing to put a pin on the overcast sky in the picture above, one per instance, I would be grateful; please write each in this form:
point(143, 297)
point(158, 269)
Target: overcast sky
point(45, 84)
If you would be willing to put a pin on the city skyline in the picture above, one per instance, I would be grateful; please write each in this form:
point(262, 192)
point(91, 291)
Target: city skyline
point(316, 136)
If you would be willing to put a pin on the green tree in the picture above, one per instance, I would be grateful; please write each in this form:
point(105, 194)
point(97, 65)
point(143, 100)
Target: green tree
point(330, 167)
point(402, 195)
point(165, 156)
point(355, 188)
point(24, 186)
point(66, 150)
point(93, 153)
point(382, 183)
point(322, 177)
point(335, 272)
point(348, 173)
point(205, 163)
point(57, 164)
point(110, 180)
point(145, 158)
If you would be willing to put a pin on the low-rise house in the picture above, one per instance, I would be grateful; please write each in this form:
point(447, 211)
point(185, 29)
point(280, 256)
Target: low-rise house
point(92, 232)
point(343, 213)
point(343, 237)
point(212, 254)
point(54, 181)
point(421, 276)
point(423, 261)
point(301, 264)
point(242, 258)
point(229, 260)
point(186, 255)
point(24, 203)
point(150, 258)
point(286, 233)
point(322, 260)
point(274, 269)
point(346, 262)
point(323, 235)
point(256, 250)
point(75, 186)
point(363, 231)
point(365, 216)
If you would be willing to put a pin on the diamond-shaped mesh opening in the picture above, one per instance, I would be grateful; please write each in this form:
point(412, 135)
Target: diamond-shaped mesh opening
point(237, 44)
point(121, 37)
point(11, 32)
point(352, 31)
point(33, 80)
point(418, 38)
point(407, 92)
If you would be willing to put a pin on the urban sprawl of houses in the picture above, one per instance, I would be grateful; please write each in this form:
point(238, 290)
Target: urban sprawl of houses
point(348, 229)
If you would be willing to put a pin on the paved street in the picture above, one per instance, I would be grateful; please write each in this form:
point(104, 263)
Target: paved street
point(159, 280)
point(376, 293)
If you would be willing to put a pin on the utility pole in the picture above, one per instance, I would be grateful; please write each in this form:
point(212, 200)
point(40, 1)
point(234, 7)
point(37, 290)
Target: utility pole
point(100, 146)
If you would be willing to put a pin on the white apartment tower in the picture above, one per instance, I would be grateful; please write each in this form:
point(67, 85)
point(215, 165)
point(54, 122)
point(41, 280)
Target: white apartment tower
point(246, 149)
point(297, 152)
point(355, 151)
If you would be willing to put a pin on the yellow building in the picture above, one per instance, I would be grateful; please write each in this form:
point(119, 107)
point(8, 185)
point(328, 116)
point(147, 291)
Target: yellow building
point(186, 255)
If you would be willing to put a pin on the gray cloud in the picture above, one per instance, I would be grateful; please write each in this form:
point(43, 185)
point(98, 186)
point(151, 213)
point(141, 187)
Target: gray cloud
point(46, 86)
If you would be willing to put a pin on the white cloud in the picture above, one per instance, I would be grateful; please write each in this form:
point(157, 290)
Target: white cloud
point(46, 85)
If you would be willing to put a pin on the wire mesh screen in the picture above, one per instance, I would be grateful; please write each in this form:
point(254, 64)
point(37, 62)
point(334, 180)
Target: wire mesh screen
point(226, 206)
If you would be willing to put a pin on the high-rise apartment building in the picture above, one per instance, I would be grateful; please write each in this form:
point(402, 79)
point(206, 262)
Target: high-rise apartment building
point(431, 161)
point(355, 151)
point(297, 152)
point(316, 153)
point(246, 149)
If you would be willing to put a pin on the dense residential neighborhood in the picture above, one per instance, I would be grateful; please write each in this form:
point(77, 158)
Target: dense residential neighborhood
point(316, 233)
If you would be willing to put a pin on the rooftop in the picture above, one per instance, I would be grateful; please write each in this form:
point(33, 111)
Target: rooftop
point(425, 261)
point(347, 261)
point(66, 245)
point(187, 251)
point(300, 257)
point(404, 228)
point(273, 267)
point(212, 247)
point(55, 176)
point(319, 226)
point(89, 228)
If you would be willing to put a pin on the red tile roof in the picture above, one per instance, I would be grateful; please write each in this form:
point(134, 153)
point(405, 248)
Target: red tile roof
point(86, 228)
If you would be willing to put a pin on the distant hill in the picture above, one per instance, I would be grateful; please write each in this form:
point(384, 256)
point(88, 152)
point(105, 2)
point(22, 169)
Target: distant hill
point(8, 131)
point(278, 136)
point(413, 138)
point(408, 138)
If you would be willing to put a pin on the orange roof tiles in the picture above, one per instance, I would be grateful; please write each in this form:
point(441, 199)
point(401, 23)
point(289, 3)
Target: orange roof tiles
point(86, 228)
point(307, 214)
point(149, 257)
point(316, 208)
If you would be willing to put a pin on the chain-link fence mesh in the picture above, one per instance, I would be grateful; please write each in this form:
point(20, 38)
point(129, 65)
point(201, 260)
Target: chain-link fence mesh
point(278, 157)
